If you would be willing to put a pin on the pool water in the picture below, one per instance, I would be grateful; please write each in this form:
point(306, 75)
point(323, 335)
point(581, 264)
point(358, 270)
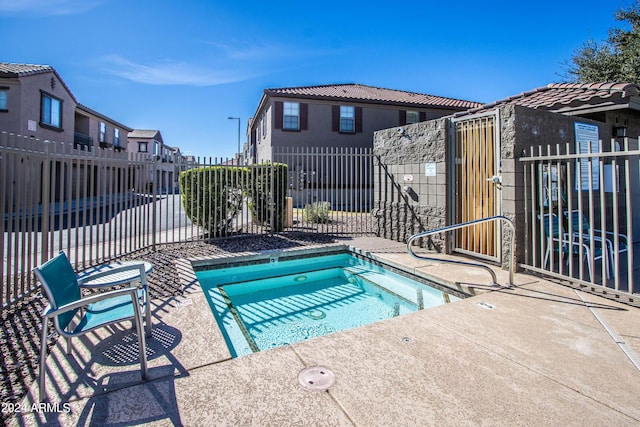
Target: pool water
point(282, 302)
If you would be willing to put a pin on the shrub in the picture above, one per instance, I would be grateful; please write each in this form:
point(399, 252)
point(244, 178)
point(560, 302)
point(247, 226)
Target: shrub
point(263, 187)
point(317, 212)
point(212, 196)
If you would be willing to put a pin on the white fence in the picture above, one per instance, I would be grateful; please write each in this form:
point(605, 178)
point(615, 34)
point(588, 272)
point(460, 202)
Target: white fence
point(583, 213)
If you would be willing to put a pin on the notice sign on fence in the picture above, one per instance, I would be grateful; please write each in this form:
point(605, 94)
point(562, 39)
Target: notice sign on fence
point(587, 142)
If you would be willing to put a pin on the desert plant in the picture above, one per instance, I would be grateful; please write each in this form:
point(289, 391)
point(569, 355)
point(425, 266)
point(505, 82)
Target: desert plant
point(317, 212)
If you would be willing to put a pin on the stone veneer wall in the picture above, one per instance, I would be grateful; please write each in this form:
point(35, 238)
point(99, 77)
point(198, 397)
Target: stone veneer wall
point(405, 208)
point(402, 208)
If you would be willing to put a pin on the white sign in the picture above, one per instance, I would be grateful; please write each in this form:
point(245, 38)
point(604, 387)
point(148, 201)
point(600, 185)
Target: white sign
point(587, 142)
point(31, 125)
point(430, 169)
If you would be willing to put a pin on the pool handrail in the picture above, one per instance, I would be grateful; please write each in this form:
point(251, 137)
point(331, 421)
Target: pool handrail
point(471, 264)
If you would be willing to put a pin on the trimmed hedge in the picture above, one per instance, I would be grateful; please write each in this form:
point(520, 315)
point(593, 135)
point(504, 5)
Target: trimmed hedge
point(213, 195)
point(262, 187)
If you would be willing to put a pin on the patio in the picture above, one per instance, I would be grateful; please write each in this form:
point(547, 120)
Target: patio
point(532, 355)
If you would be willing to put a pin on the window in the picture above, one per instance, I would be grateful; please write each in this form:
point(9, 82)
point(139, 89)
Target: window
point(264, 125)
point(116, 137)
point(102, 133)
point(3, 98)
point(291, 116)
point(51, 113)
point(413, 117)
point(347, 119)
point(142, 147)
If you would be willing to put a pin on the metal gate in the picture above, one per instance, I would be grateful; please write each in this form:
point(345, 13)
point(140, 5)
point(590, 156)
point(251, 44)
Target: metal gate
point(477, 190)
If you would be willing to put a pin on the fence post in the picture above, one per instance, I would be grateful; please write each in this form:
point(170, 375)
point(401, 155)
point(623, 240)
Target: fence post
point(44, 218)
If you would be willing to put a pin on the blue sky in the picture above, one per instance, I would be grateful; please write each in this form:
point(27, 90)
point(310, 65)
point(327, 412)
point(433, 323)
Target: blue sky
point(184, 66)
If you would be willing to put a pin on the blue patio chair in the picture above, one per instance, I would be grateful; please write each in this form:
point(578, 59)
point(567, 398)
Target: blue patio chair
point(623, 242)
point(63, 290)
point(568, 243)
point(555, 242)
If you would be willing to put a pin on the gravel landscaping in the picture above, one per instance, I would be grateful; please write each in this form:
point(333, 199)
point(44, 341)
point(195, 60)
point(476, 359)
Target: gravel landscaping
point(20, 323)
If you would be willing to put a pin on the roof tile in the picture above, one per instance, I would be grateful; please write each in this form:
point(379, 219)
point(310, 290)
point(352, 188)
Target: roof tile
point(556, 96)
point(358, 92)
point(17, 70)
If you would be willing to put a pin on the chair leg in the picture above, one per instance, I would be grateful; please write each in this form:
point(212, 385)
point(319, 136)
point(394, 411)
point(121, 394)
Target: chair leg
point(546, 255)
point(142, 347)
point(148, 321)
point(587, 255)
point(43, 360)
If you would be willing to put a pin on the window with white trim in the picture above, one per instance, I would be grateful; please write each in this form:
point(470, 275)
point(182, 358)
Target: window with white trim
point(347, 119)
point(291, 120)
point(143, 147)
point(116, 137)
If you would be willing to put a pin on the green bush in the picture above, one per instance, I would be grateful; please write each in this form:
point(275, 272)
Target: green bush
point(262, 187)
point(212, 196)
point(317, 212)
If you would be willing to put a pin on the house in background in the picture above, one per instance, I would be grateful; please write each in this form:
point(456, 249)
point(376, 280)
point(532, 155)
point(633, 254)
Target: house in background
point(341, 115)
point(169, 160)
point(306, 127)
point(93, 128)
point(36, 102)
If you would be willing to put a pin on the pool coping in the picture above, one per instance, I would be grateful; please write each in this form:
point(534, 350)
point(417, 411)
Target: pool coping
point(200, 264)
point(533, 354)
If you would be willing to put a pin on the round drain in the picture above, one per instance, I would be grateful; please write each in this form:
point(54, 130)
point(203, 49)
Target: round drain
point(317, 314)
point(316, 378)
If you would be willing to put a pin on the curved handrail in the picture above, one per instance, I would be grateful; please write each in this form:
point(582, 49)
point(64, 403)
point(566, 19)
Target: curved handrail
point(471, 264)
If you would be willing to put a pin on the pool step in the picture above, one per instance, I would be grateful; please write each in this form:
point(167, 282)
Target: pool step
point(414, 293)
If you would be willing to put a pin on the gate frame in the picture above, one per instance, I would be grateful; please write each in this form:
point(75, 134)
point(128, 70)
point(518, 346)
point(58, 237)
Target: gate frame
point(453, 189)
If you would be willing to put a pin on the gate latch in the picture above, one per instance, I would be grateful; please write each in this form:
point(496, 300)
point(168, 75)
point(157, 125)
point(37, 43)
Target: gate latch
point(496, 179)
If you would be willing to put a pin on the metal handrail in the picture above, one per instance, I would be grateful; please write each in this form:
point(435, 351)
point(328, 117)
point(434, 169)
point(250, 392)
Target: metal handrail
point(471, 264)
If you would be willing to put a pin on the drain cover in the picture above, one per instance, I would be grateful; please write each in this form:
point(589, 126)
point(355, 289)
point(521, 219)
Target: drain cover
point(316, 378)
point(486, 305)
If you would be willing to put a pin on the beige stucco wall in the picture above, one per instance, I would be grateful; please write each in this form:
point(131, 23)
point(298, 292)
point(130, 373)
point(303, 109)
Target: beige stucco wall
point(24, 105)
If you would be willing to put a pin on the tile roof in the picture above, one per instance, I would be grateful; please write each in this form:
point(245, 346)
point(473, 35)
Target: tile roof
point(8, 69)
point(13, 70)
point(567, 96)
point(357, 92)
point(146, 134)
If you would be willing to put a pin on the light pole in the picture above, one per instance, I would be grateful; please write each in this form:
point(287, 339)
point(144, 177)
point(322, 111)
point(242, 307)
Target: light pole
point(238, 119)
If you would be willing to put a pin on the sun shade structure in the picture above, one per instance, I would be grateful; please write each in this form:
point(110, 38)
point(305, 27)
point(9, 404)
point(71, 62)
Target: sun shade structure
point(63, 289)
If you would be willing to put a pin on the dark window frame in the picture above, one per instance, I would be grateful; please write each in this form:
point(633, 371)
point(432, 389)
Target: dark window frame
point(5, 89)
point(47, 125)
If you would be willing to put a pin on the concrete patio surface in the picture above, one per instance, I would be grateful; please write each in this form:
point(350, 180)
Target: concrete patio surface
point(532, 355)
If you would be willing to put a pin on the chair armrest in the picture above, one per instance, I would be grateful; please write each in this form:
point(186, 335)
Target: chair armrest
point(82, 279)
point(133, 291)
point(622, 238)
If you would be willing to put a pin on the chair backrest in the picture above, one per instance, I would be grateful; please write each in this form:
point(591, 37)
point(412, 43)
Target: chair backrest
point(550, 221)
point(575, 216)
point(60, 283)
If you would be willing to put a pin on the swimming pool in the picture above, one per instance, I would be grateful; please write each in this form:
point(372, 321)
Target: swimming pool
point(279, 300)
